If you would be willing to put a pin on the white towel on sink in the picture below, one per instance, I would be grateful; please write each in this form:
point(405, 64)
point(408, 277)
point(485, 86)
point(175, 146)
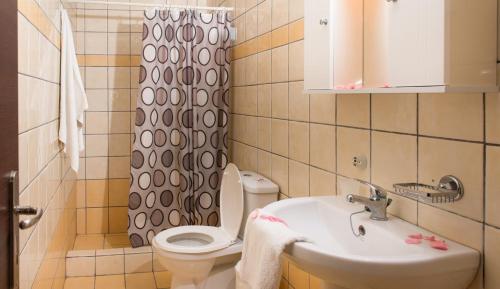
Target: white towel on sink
point(265, 239)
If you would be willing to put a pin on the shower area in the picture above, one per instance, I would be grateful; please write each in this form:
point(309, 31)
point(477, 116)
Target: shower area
point(157, 82)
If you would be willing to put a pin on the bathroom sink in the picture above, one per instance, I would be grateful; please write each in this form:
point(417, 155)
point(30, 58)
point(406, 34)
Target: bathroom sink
point(380, 259)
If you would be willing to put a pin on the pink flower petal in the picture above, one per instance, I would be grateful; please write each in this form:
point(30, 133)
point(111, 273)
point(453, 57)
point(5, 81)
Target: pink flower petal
point(416, 236)
point(413, 241)
point(430, 238)
point(254, 214)
point(439, 245)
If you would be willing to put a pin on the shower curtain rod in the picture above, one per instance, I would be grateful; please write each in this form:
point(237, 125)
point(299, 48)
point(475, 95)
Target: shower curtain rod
point(149, 5)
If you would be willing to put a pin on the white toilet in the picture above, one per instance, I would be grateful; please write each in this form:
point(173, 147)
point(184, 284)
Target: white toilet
point(204, 257)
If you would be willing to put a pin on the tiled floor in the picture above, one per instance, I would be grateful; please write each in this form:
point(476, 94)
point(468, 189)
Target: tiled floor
point(100, 241)
point(156, 280)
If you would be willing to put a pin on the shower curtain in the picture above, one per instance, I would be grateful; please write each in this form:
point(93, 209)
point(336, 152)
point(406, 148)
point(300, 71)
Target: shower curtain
point(180, 145)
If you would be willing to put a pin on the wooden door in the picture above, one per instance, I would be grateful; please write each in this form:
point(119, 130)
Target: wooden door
point(8, 132)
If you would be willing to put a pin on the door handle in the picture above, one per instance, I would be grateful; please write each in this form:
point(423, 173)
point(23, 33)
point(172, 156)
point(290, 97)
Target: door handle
point(27, 210)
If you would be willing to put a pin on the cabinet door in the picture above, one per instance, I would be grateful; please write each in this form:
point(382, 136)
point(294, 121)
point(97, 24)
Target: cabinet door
point(376, 43)
point(416, 37)
point(318, 45)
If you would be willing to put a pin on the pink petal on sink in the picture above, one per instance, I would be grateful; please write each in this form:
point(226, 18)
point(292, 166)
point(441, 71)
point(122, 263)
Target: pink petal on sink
point(430, 238)
point(413, 241)
point(416, 236)
point(439, 245)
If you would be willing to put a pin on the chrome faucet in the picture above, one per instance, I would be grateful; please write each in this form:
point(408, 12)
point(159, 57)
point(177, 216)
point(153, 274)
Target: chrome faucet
point(376, 204)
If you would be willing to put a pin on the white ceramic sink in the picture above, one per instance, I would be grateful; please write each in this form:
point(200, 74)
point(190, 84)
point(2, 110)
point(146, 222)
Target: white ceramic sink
point(380, 259)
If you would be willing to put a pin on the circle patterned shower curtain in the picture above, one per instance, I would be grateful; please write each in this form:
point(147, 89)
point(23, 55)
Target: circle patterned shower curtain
point(180, 145)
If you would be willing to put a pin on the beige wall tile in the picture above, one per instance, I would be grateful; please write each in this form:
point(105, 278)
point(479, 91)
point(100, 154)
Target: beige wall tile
point(394, 159)
point(298, 180)
point(323, 108)
point(451, 115)
point(279, 13)
point(492, 262)
point(118, 21)
point(245, 100)
point(244, 156)
point(119, 144)
point(299, 141)
point(119, 122)
point(395, 112)
point(353, 110)
point(279, 137)
point(97, 193)
point(279, 93)
point(97, 99)
point(322, 146)
point(251, 70)
point(96, 43)
point(96, 168)
point(239, 70)
point(279, 63)
point(97, 220)
point(96, 20)
point(119, 99)
point(96, 145)
point(296, 60)
point(438, 158)
point(264, 100)
point(298, 102)
point(96, 122)
point(264, 66)
point(279, 172)
point(118, 217)
point(264, 133)
point(96, 77)
point(403, 208)
point(109, 265)
point(118, 192)
point(493, 117)
point(119, 77)
point(296, 9)
point(264, 166)
point(264, 17)
point(451, 226)
point(119, 167)
point(321, 183)
point(353, 143)
point(251, 23)
point(492, 185)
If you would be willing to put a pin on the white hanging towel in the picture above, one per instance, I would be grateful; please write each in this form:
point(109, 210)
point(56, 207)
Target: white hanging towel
point(73, 101)
point(265, 239)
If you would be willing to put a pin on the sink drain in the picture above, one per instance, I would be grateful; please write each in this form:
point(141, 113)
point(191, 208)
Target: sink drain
point(361, 230)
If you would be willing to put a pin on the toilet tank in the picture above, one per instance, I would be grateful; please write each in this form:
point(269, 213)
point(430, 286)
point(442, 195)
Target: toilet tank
point(258, 192)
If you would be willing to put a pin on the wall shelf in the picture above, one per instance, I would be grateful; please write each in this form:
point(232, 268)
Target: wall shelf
point(410, 89)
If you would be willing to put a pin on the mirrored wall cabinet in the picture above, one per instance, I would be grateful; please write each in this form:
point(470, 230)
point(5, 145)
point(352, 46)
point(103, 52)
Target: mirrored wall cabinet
point(397, 46)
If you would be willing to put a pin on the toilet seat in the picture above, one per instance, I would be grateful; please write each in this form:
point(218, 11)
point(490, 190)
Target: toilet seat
point(193, 239)
point(204, 239)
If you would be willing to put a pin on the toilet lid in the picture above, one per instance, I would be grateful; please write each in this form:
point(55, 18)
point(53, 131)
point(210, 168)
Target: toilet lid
point(231, 201)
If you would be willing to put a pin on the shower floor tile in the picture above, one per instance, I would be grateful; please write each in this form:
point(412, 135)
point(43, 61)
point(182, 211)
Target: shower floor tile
point(101, 241)
point(157, 280)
